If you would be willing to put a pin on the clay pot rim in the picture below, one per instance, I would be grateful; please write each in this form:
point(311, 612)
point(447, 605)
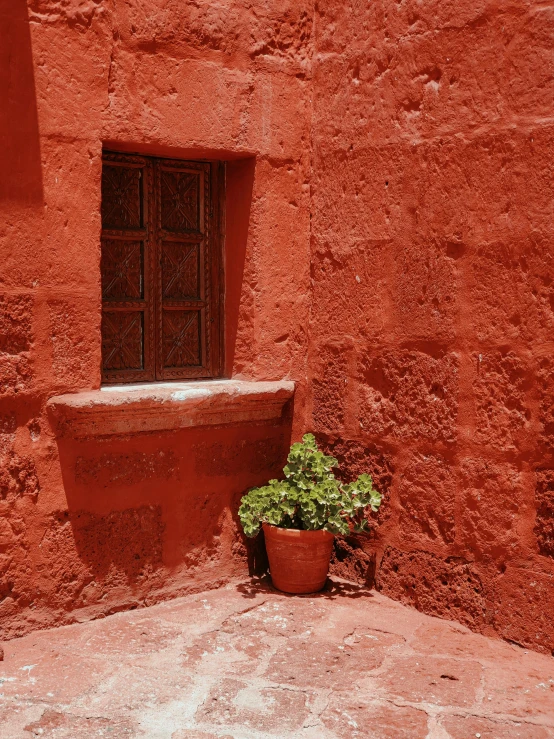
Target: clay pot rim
point(297, 533)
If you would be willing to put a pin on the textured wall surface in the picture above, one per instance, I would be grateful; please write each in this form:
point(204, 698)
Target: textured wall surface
point(92, 527)
point(389, 247)
point(432, 325)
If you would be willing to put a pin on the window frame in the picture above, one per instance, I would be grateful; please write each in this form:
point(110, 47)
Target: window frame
point(152, 304)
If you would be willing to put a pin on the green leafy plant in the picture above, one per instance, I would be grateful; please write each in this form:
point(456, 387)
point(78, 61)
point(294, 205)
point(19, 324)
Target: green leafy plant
point(310, 497)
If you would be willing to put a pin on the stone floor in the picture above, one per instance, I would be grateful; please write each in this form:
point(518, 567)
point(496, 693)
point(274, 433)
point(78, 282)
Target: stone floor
point(248, 662)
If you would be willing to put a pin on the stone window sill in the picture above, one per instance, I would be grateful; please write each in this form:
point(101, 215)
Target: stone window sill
point(131, 409)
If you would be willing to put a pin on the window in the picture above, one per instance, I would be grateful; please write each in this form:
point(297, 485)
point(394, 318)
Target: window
point(160, 265)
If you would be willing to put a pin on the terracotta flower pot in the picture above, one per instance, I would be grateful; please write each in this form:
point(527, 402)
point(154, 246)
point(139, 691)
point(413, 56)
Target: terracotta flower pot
point(298, 560)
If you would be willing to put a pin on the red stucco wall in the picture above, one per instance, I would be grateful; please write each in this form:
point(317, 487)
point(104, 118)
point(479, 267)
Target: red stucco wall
point(432, 325)
point(389, 247)
point(92, 527)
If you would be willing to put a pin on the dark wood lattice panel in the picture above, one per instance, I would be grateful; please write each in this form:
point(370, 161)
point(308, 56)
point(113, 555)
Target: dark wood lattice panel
point(123, 340)
point(121, 197)
point(180, 271)
point(122, 270)
point(181, 338)
point(181, 195)
point(160, 269)
point(186, 285)
point(126, 270)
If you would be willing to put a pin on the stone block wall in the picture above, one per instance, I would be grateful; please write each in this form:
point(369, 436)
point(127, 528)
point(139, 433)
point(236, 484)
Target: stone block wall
point(432, 321)
point(389, 228)
point(96, 526)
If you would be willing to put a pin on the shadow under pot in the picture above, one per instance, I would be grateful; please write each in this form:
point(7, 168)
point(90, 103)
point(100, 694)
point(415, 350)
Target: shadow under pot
point(298, 560)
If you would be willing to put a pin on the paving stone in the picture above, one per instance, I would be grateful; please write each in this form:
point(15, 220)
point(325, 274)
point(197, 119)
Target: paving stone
point(459, 727)
point(248, 662)
point(62, 725)
point(439, 638)
point(527, 691)
point(193, 734)
point(351, 718)
point(433, 680)
point(275, 710)
point(330, 664)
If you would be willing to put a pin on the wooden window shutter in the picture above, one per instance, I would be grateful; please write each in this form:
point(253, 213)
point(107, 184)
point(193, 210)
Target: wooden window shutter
point(160, 269)
point(126, 270)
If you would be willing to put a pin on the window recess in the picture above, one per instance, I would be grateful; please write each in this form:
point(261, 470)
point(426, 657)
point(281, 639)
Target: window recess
point(160, 269)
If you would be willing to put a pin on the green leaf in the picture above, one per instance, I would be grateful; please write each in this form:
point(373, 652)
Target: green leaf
point(310, 497)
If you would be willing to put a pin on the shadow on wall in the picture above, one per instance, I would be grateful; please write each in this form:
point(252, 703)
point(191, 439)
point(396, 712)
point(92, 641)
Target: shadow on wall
point(20, 165)
point(158, 511)
point(238, 200)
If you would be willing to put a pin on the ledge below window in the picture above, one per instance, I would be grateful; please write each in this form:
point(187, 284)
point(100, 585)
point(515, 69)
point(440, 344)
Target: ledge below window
point(131, 409)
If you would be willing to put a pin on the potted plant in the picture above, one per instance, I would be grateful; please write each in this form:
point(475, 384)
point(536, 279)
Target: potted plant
point(301, 514)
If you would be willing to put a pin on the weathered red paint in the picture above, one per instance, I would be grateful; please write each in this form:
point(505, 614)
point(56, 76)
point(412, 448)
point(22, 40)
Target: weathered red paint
point(388, 246)
point(88, 527)
point(432, 313)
